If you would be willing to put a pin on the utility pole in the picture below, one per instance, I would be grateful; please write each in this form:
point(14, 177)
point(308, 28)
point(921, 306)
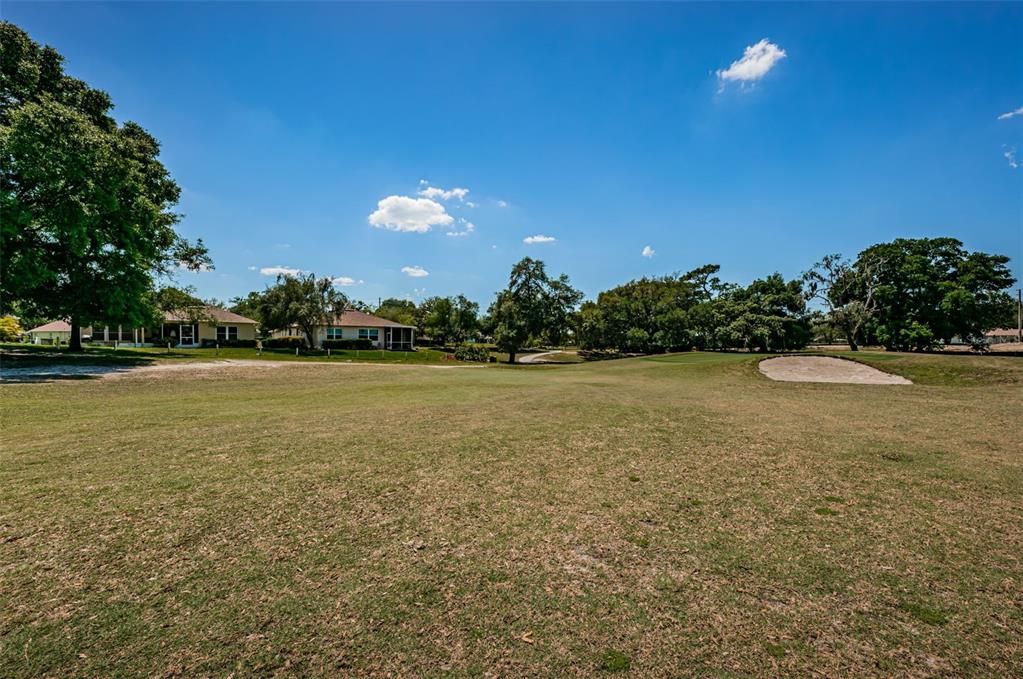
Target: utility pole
point(1019, 314)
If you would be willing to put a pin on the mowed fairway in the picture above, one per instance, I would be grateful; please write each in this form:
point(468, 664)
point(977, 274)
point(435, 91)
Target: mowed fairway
point(674, 516)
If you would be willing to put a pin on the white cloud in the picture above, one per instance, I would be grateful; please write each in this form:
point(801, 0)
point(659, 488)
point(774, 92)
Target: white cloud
point(530, 240)
point(1010, 155)
point(1010, 114)
point(427, 191)
point(280, 271)
point(502, 203)
point(252, 268)
point(648, 251)
point(469, 203)
point(756, 61)
point(467, 228)
point(282, 246)
point(402, 213)
point(346, 281)
point(415, 271)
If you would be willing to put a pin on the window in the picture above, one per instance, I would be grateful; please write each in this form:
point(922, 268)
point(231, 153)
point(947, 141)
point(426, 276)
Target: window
point(369, 333)
point(334, 333)
point(227, 333)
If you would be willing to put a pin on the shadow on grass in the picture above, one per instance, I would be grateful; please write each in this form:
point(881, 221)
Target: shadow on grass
point(45, 364)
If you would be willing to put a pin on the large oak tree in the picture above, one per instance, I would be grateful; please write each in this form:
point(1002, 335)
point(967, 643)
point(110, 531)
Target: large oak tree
point(86, 219)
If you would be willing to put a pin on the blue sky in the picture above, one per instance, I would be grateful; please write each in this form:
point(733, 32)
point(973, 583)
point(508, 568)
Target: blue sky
point(756, 137)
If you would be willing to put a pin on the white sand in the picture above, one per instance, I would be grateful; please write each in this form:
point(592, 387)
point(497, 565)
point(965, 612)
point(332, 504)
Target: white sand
point(825, 369)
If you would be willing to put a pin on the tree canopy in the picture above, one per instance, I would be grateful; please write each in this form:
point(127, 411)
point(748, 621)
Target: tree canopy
point(303, 301)
point(86, 223)
point(533, 308)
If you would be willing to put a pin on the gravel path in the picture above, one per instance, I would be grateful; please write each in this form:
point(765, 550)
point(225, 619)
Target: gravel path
point(825, 369)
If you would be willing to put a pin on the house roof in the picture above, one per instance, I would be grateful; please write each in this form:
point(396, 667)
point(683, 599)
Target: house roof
point(1002, 332)
point(357, 319)
point(218, 314)
point(53, 326)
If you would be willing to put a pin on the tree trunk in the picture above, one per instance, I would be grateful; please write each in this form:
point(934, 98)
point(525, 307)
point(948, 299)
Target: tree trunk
point(75, 343)
point(852, 345)
point(309, 332)
point(511, 356)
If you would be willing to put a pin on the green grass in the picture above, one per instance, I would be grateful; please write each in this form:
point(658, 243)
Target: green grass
point(366, 519)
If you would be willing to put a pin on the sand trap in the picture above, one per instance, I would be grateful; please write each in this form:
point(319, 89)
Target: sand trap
point(824, 369)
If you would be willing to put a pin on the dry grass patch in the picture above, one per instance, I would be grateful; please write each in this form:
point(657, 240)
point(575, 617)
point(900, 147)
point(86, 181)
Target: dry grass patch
point(660, 517)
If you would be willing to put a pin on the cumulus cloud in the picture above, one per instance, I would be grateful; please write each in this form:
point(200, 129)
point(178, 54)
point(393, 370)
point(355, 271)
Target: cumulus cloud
point(539, 238)
point(280, 271)
point(1010, 155)
point(415, 215)
point(467, 227)
point(756, 61)
point(648, 251)
point(502, 203)
point(346, 281)
point(1010, 114)
point(415, 271)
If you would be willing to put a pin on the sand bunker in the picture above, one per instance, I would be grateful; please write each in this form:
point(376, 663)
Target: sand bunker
point(824, 369)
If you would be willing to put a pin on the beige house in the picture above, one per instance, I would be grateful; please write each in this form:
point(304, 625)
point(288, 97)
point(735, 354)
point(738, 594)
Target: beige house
point(56, 332)
point(352, 325)
point(1003, 336)
point(209, 325)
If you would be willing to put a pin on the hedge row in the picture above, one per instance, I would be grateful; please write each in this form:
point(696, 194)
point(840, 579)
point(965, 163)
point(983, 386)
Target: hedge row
point(348, 344)
point(240, 344)
point(284, 342)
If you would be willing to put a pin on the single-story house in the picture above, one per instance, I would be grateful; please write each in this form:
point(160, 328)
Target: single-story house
point(55, 332)
point(210, 324)
point(352, 324)
point(1002, 335)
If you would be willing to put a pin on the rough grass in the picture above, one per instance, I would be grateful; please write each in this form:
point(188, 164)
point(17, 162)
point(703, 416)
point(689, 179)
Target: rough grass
point(659, 517)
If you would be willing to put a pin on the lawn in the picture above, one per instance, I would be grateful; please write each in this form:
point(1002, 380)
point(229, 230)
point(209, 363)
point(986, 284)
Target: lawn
point(664, 516)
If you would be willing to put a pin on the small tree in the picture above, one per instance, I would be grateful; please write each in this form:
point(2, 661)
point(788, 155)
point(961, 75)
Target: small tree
point(465, 318)
point(10, 329)
point(302, 301)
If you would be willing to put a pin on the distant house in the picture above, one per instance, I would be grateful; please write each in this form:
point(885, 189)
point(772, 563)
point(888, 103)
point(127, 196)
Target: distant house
point(1002, 336)
point(207, 325)
point(352, 324)
point(55, 332)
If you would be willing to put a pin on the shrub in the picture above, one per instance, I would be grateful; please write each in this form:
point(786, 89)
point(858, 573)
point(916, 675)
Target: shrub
point(10, 329)
point(284, 342)
point(473, 352)
point(224, 344)
point(348, 344)
point(600, 354)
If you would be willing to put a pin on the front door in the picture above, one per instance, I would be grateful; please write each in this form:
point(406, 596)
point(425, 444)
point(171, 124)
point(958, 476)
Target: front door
point(187, 338)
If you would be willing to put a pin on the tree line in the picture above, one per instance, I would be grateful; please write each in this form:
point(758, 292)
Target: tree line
point(909, 294)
